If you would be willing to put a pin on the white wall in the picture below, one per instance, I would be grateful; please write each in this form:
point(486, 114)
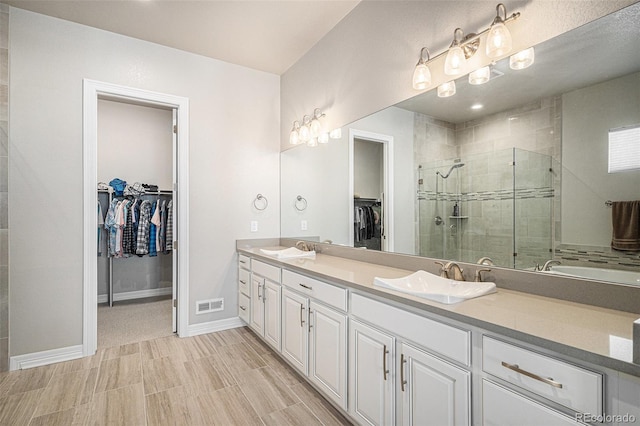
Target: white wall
point(366, 62)
point(587, 116)
point(234, 144)
point(368, 169)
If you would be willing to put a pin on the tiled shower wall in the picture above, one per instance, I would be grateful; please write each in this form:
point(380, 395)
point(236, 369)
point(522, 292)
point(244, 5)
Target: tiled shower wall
point(4, 177)
point(481, 144)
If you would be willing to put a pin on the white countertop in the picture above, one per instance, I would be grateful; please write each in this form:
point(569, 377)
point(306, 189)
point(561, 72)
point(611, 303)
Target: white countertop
point(593, 334)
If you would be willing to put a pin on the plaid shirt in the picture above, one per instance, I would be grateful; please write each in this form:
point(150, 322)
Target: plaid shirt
point(143, 228)
point(128, 237)
point(169, 238)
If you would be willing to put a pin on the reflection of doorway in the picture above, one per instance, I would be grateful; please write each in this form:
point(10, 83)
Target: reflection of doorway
point(370, 195)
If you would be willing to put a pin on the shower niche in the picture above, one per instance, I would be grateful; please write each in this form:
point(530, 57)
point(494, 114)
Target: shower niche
point(467, 208)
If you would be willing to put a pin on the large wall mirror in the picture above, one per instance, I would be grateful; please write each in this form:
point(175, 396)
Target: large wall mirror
point(515, 170)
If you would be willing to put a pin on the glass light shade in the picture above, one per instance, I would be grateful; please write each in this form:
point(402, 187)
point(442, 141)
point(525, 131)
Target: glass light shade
point(421, 76)
point(336, 133)
point(480, 76)
point(447, 89)
point(294, 139)
point(315, 128)
point(522, 59)
point(455, 61)
point(304, 134)
point(312, 142)
point(498, 40)
point(323, 138)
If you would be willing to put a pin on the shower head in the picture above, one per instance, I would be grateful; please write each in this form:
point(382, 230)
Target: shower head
point(455, 166)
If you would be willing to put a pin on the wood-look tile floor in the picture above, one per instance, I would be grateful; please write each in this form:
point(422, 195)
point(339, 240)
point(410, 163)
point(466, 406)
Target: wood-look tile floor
point(225, 378)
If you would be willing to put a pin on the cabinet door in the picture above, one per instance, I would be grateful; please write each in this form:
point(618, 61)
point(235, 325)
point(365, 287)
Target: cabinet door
point(371, 355)
point(328, 352)
point(433, 392)
point(257, 305)
point(295, 337)
point(502, 406)
point(272, 316)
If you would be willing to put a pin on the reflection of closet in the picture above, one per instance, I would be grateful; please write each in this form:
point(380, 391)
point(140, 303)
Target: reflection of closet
point(135, 144)
point(368, 183)
point(367, 226)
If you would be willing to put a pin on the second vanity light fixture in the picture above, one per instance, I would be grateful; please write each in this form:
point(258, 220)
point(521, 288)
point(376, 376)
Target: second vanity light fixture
point(311, 131)
point(463, 47)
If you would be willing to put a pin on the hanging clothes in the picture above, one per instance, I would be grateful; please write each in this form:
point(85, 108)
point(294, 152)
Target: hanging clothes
point(153, 229)
point(169, 236)
point(142, 246)
point(110, 224)
point(100, 226)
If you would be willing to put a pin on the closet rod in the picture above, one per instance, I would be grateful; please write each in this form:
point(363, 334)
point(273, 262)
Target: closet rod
point(162, 191)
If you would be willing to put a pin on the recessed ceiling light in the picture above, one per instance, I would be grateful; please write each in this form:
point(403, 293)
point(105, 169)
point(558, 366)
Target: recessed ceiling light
point(476, 106)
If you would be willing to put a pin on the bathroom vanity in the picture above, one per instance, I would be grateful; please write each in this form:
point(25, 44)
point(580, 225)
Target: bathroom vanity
point(385, 357)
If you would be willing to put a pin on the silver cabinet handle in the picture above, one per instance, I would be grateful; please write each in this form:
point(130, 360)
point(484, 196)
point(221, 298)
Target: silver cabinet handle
point(259, 287)
point(301, 311)
point(264, 293)
point(310, 312)
point(546, 380)
point(242, 261)
point(305, 286)
point(243, 282)
point(384, 362)
point(402, 380)
point(243, 308)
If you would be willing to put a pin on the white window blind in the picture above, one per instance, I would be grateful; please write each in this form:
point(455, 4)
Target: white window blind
point(624, 149)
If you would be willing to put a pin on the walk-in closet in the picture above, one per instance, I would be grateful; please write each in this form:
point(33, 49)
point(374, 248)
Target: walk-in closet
point(136, 222)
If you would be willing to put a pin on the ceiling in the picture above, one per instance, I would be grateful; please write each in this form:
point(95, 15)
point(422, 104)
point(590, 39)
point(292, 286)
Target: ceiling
point(261, 34)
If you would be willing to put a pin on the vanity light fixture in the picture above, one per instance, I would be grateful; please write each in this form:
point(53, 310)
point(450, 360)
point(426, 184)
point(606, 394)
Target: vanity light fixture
point(463, 47)
point(447, 89)
point(422, 74)
point(499, 38)
point(311, 131)
point(336, 133)
point(480, 76)
point(522, 59)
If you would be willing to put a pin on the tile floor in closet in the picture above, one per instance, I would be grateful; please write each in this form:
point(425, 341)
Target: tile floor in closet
point(224, 378)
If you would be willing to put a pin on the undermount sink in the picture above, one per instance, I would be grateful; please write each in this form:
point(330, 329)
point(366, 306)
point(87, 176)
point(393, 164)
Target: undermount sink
point(429, 286)
point(289, 253)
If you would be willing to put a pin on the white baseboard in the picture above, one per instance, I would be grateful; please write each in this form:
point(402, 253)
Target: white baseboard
point(38, 359)
point(213, 326)
point(152, 292)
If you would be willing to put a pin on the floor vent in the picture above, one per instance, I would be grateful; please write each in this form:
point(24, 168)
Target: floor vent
point(206, 306)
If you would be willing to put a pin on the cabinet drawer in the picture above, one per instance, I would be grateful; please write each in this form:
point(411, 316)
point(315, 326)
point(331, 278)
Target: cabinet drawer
point(244, 278)
point(265, 270)
point(568, 385)
point(451, 342)
point(244, 261)
point(243, 307)
point(501, 406)
point(327, 293)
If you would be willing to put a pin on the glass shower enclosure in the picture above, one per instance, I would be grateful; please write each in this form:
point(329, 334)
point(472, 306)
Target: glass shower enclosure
point(499, 205)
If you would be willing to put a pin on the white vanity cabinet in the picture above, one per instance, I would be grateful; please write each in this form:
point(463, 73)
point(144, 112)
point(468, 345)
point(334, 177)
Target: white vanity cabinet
point(244, 288)
point(314, 332)
point(394, 376)
point(265, 302)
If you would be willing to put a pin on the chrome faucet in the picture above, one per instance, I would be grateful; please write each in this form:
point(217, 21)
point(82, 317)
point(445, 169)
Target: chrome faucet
point(457, 271)
point(443, 272)
point(302, 245)
point(479, 272)
point(485, 261)
point(548, 263)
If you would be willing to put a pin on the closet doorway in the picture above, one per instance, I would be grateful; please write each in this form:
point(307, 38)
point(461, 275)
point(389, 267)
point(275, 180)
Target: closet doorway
point(370, 194)
point(139, 137)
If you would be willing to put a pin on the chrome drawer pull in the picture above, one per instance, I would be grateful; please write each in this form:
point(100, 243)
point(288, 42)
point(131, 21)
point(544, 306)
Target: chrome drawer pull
point(384, 362)
point(301, 320)
point(243, 308)
point(305, 286)
point(403, 382)
point(517, 369)
point(243, 282)
point(242, 261)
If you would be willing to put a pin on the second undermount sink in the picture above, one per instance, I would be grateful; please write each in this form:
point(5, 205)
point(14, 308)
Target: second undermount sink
point(289, 253)
point(429, 286)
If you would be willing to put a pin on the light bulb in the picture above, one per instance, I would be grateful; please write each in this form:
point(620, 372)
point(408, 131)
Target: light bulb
point(498, 40)
point(336, 133)
point(304, 134)
point(447, 89)
point(315, 127)
point(522, 59)
point(323, 138)
point(480, 76)
point(421, 76)
point(455, 61)
point(294, 137)
point(312, 142)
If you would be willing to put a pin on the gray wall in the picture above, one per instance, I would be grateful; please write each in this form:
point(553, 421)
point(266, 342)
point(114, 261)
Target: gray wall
point(234, 150)
point(4, 187)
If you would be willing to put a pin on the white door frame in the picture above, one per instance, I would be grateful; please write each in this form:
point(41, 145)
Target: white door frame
point(92, 90)
point(387, 202)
